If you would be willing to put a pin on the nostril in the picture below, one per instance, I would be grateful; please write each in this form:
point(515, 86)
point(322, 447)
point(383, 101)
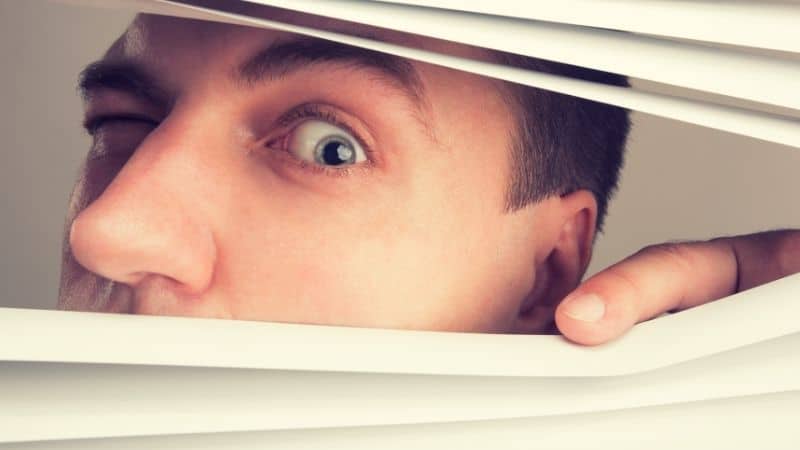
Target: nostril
point(136, 278)
point(128, 243)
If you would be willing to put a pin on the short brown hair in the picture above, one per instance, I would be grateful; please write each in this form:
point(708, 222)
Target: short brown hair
point(563, 143)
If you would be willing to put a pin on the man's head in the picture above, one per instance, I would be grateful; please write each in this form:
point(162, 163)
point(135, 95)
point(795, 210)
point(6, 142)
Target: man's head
point(253, 174)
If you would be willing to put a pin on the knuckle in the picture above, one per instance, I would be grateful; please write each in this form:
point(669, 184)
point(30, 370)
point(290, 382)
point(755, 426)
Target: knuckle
point(624, 280)
point(677, 255)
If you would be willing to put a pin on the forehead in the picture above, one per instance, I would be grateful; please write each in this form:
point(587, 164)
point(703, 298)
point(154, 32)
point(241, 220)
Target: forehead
point(196, 57)
point(176, 48)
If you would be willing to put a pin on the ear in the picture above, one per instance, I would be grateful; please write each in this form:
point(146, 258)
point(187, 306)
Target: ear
point(565, 260)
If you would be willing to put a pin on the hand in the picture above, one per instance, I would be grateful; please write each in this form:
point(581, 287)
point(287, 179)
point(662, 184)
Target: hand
point(673, 277)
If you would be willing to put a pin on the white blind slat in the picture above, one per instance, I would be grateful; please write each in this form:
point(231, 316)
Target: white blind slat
point(765, 421)
point(769, 127)
point(759, 24)
point(61, 336)
point(758, 78)
point(68, 401)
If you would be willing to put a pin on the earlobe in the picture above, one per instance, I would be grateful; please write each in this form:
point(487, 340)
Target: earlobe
point(567, 256)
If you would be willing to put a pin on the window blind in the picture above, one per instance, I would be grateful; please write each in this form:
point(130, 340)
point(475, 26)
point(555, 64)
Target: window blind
point(78, 380)
point(768, 79)
point(759, 24)
point(89, 380)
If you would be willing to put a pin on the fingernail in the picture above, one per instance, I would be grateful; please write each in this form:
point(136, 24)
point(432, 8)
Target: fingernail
point(586, 308)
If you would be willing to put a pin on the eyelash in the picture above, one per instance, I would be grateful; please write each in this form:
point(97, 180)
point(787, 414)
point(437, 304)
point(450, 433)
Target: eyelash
point(288, 121)
point(297, 116)
point(92, 124)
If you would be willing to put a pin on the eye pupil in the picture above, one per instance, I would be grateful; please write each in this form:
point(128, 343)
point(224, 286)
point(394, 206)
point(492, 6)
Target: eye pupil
point(324, 144)
point(336, 153)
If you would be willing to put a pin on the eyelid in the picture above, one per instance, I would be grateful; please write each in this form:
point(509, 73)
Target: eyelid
point(306, 111)
point(93, 122)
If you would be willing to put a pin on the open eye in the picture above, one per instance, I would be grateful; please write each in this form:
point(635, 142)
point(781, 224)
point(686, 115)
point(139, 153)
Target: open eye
point(322, 143)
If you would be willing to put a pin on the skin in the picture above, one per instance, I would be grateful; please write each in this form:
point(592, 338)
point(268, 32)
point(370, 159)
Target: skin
point(676, 276)
point(204, 217)
point(200, 205)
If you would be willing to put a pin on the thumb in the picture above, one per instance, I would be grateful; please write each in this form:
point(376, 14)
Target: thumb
point(655, 280)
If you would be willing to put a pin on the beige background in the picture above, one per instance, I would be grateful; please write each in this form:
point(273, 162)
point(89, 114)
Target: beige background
point(680, 182)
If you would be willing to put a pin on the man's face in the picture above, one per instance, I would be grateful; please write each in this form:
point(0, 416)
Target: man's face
point(258, 175)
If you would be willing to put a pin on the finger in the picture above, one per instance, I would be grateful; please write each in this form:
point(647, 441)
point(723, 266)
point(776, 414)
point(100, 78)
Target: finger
point(674, 277)
point(764, 257)
point(654, 280)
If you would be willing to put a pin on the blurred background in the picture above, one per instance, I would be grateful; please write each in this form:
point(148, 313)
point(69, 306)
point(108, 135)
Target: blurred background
point(680, 181)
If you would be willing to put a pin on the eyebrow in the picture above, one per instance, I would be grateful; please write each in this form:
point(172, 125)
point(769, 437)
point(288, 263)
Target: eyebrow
point(125, 76)
point(282, 58)
point(277, 61)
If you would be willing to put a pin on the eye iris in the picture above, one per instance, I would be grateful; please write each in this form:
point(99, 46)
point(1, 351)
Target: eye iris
point(334, 152)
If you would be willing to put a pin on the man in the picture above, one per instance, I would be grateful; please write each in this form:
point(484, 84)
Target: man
point(253, 174)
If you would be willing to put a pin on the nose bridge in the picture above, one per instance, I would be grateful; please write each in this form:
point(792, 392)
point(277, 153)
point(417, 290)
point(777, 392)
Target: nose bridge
point(161, 169)
point(164, 176)
point(150, 219)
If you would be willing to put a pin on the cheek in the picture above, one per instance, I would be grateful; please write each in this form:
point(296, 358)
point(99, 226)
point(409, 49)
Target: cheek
point(415, 249)
point(312, 260)
point(361, 263)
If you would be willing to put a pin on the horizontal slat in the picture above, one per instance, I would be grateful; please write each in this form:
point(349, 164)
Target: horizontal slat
point(765, 421)
point(43, 401)
point(752, 316)
point(772, 128)
point(729, 72)
point(760, 24)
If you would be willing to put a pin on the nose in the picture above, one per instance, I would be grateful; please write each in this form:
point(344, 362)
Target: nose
point(149, 222)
